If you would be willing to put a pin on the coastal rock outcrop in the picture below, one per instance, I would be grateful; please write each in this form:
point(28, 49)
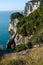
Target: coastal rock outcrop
point(13, 30)
point(17, 39)
point(12, 26)
point(30, 6)
point(25, 28)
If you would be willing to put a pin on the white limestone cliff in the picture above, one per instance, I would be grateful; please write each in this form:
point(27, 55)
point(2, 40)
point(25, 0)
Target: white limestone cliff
point(13, 30)
point(30, 6)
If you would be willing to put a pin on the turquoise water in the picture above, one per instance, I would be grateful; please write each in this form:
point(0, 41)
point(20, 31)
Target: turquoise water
point(4, 23)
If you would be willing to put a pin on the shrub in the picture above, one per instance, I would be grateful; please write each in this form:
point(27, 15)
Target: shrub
point(16, 15)
point(38, 39)
point(21, 47)
point(31, 23)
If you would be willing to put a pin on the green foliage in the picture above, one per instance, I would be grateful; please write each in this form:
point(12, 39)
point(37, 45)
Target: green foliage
point(16, 15)
point(21, 47)
point(30, 24)
point(38, 39)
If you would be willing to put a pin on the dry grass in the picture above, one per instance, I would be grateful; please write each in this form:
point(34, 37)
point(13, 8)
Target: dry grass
point(34, 57)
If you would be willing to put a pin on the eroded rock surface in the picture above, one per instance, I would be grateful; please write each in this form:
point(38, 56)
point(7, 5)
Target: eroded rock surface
point(17, 39)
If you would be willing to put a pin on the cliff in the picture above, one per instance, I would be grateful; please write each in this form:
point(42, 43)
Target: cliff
point(15, 18)
point(29, 28)
point(32, 26)
point(30, 6)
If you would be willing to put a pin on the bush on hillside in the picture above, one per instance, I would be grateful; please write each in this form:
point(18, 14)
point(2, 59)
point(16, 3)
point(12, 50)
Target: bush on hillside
point(38, 39)
point(21, 47)
point(16, 15)
point(30, 24)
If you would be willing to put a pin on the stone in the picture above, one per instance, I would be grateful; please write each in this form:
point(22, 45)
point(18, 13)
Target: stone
point(30, 6)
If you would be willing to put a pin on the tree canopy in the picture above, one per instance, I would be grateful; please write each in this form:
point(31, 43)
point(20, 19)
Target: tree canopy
point(30, 24)
point(16, 15)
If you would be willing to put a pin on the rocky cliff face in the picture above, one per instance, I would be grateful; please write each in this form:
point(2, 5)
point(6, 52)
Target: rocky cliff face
point(30, 6)
point(12, 26)
point(13, 31)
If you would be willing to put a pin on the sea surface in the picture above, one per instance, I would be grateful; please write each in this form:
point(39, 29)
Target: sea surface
point(4, 24)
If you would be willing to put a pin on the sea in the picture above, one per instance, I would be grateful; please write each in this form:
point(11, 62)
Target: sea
point(4, 24)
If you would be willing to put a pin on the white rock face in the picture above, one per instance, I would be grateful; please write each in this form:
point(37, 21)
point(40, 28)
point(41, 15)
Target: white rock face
point(13, 30)
point(30, 7)
point(12, 26)
point(21, 39)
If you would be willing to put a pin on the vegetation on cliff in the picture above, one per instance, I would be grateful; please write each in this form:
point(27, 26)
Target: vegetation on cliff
point(31, 24)
point(16, 15)
point(23, 46)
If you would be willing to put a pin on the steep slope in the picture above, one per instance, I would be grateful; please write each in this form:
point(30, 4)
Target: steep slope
point(31, 25)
